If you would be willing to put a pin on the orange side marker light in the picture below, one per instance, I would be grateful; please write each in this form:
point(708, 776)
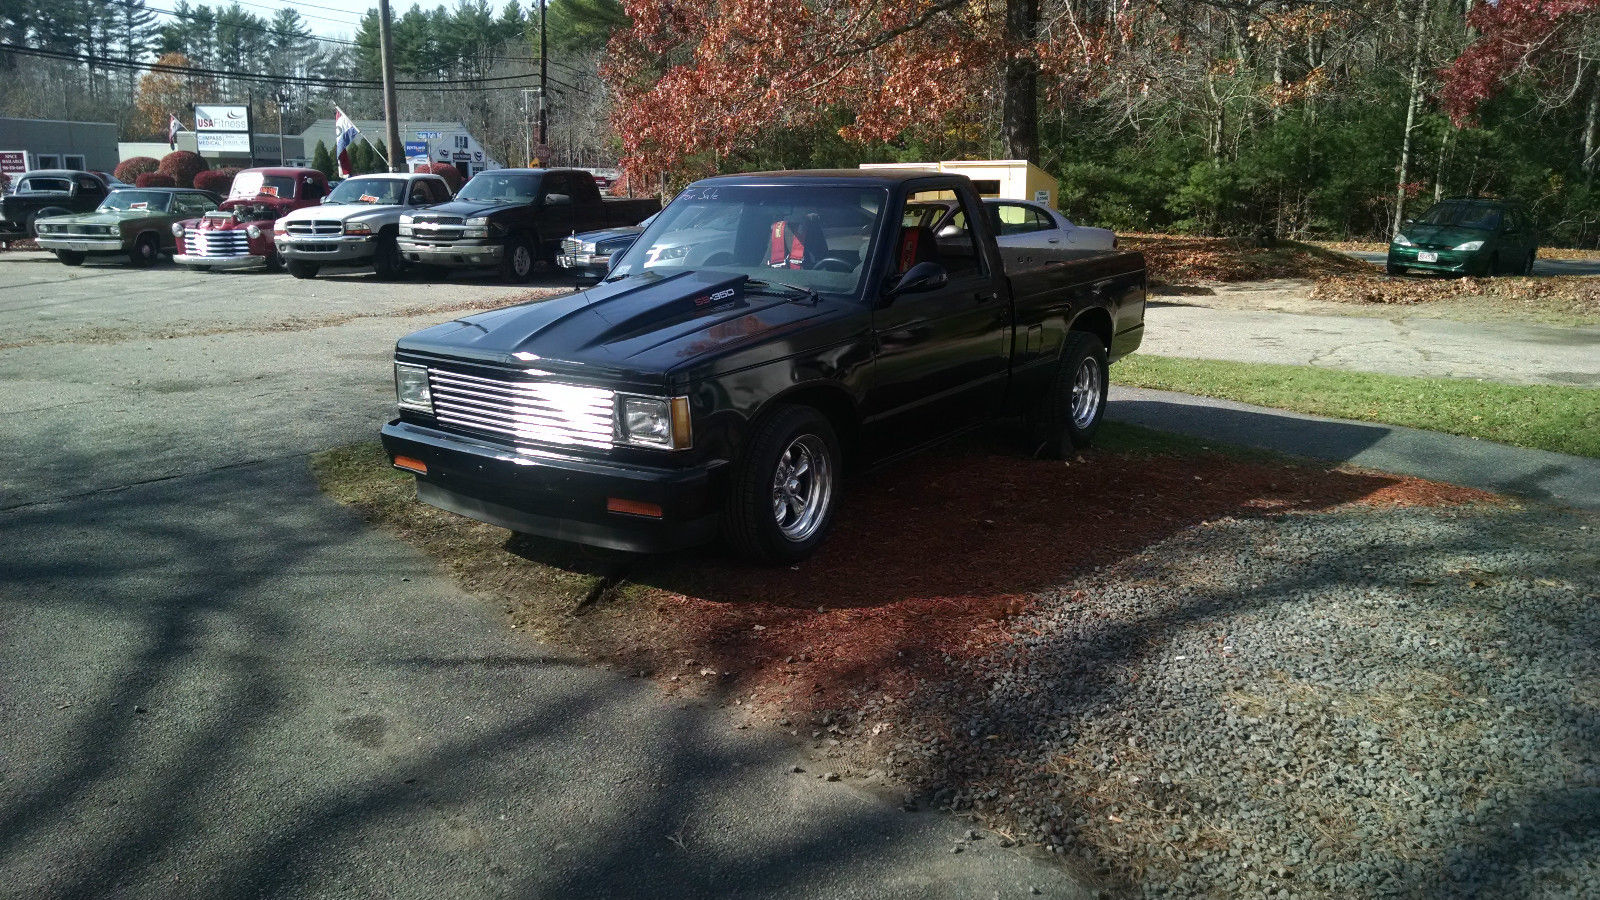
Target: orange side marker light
point(411, 465)
point(633, 507)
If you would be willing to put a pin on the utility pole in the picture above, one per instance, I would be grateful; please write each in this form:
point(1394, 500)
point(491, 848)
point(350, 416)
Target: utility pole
point(391, 112)
point(527, 127)
point(544, 73)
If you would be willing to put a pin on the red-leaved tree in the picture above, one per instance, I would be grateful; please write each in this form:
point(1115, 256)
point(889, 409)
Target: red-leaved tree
point(183, 166)
point(131, 168)
point(450, 174)
point(154, 180)
point(1513, 35)
point(217, 181)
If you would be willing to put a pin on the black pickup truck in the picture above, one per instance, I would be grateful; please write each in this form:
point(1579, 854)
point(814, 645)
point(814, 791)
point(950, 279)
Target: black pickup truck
point(766, 332)
point(49, 192)
point(513, 218)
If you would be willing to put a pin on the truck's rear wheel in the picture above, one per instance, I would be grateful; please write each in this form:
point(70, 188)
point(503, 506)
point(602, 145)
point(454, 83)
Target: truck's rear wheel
point(781, 502)
point(299, 268)
point(70, 257)
point(1069, 413)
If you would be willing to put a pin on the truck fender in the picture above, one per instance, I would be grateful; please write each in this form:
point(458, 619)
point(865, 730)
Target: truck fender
point(1095, 319)
point(827, 397)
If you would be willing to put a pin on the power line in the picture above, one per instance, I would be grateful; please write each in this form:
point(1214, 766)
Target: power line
point(305, 80)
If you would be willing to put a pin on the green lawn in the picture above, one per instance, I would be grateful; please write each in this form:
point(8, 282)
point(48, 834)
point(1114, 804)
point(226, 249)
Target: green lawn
point(1543, 417)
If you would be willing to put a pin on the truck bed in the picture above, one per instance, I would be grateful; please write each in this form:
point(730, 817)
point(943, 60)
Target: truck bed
point(1042, 279)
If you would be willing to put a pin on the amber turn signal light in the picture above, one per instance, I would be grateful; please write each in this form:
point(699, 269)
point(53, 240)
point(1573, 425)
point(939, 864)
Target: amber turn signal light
point(633, 507)
point(411, 465)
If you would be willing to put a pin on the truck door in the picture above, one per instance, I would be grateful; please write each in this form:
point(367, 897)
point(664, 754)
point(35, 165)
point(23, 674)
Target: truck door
point(942, 356)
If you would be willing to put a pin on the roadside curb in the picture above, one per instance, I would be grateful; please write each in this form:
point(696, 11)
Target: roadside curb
point(1535, 474)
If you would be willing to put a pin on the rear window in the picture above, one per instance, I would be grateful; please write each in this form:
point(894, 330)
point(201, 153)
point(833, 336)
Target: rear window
point(42, 185)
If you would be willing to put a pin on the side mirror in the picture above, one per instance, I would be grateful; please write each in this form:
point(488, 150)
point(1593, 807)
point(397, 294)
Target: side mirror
point(920, 278)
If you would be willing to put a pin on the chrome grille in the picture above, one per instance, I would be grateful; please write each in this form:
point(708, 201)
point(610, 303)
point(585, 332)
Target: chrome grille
point(524, 412)
point(570, 246)
point(314, 227)
point(216, 243)
point(424, 219)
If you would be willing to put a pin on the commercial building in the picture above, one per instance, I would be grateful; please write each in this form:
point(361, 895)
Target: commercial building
point(55, 144)
point(1013, 179)
point(439, 142)
point(264, 151)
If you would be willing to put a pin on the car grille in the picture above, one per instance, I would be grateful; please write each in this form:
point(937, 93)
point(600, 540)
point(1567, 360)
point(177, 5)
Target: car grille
point(436, 229)
point(569, 246)
point(523, 412)
point(314, 228)
point(216, 243)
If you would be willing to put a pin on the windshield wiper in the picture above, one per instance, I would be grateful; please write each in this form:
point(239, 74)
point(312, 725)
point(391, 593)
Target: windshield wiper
point(804, 293)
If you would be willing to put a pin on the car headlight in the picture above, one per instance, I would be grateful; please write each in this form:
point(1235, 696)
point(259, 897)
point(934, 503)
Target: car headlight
point(654, 422)
point(358, 228)
point(1470, 245)
point(1401, 240)
point(405, 219)
point(476, 227)
point(44, 229)
point(177, 229)
point(411, 388)
point(254, 231)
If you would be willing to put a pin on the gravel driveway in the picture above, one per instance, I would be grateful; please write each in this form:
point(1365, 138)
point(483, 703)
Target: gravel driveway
point(1369, 702)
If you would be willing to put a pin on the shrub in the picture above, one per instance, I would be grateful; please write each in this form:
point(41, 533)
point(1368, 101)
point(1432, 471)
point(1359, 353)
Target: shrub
point(182, 165)
point(450, 174)
point(155, 179)
point(131, 168)
point(217, 181)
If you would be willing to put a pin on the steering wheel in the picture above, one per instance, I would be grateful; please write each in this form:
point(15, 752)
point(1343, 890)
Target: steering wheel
point(832, 264)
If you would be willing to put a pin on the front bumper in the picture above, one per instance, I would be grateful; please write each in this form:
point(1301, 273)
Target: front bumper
point(560, 497)
point(347, 249)
point(1456, 262)
point(455, 253)
point(220, 262)
point(81, 245)
point(585, 265)
point(10, 229)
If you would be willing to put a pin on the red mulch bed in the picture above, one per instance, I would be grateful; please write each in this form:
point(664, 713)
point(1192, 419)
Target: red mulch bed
point(26, 244)
point(932, 557)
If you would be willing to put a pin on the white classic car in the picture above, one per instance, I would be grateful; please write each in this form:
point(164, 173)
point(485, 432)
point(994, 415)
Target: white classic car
point(1016, 223)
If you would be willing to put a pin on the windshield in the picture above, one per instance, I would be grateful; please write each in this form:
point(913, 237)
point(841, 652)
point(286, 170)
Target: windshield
point(250, 185)
point(154, 201)
point(1462, 215)
point(44, 186)
point(501, 187)
point(390, 191)
point(817, 238)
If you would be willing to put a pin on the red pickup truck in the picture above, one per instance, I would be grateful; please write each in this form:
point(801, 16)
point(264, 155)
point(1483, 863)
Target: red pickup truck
point(238, 235)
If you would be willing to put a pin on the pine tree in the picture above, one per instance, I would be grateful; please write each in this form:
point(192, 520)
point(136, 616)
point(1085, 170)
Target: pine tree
point(380, 156)
point(322, 160)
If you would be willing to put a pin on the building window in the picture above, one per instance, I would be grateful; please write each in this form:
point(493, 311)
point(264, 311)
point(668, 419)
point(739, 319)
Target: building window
point(76, 162)
point(461, 142)
point(48, 161)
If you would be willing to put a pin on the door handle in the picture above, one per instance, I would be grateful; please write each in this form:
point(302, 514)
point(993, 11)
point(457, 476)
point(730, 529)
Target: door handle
point(985, 296)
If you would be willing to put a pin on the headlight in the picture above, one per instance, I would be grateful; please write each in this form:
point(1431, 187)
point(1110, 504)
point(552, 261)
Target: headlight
point(586, 246)
point(405, 219)
point(476, 227)
point(44, 229)
point(476, 220)
point(1401, 240)
point(177, 229)
point(254, 231)
point(654, 422)
point(358, 229)
point(411, 388)
point(1470, 245)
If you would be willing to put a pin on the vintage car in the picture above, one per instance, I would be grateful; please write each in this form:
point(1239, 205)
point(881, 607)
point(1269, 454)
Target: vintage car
point(238, 235)
point(133, 221)
point(764, 334)
point(48, 192)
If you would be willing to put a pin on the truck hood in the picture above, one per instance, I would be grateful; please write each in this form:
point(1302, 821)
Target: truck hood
point(639, 325)
point(466, 208)
point(340, 211)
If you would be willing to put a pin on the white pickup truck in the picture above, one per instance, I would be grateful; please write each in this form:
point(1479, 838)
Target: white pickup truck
point(356, 224)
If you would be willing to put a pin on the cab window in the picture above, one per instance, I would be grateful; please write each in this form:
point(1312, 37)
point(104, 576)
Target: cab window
point(419, 194)
point(956, 244)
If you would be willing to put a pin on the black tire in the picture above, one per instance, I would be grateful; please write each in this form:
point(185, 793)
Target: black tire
point(1393, 269)
point(27, 226)
point(299, 268)
point(146, 251)
point(387, 260)
point(520, 257)
point(274, 262)
point(751, 524)
point(1069, 413)
point(1527, 264)
point(70, 257)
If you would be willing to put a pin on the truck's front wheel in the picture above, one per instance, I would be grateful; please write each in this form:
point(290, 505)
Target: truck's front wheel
point(783, 491)
point(1069, 413)
point(299, 268)
point(517, 266)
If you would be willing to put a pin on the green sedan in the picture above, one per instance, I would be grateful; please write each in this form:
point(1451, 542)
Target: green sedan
point(133, 221)
point(1467, 236)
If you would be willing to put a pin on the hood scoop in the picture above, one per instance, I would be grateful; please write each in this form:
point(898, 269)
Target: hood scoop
point(671, 301)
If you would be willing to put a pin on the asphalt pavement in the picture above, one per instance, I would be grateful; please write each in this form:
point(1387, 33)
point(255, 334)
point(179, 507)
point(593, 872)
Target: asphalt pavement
point(1541, 267)
point(218, 683)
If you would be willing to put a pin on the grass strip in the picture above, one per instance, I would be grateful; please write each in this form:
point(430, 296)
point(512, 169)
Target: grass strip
point(1541, 417)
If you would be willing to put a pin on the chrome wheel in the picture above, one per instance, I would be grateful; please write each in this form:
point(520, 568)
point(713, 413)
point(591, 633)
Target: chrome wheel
point(802, 488)
point(521, 261)
point(1086, 387)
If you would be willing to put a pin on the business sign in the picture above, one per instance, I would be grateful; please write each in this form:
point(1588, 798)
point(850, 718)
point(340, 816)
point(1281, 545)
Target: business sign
point(222, 142)
point(221, 118)
point(429, 135)
point(13, 162)
point(417, 151)
point(1042, 196)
